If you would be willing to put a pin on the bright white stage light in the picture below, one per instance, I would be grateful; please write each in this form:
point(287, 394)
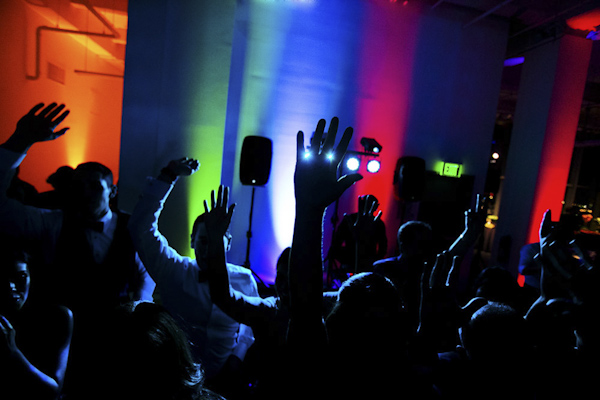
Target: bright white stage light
point(373, 166)
point(352, 163)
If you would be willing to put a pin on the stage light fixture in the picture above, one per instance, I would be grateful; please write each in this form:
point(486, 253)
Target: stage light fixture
point(373, 166)
point(353, 163)
point(371, 145)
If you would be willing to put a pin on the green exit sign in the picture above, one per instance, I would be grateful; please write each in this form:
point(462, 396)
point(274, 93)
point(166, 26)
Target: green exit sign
point(451, 169)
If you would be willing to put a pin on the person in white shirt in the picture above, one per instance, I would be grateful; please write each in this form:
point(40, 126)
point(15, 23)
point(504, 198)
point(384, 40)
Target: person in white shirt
point(182, 286)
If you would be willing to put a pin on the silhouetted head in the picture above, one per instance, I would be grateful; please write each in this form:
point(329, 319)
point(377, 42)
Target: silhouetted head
point(92, 188)
point(497, 284)
point(61, 178)
point(495, 333)
point(15, 278)
point(415, 239)
point(368, 309)
point(154, 356)
point(199, 238)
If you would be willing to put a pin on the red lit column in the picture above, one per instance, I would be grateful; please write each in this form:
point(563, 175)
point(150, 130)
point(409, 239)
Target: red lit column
point(545, 124)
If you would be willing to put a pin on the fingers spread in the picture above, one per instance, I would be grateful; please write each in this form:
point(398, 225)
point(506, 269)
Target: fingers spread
point(36, 108)
point(344, 142)
point(331, 133)
point(46, 110)
point(56, 111)
point(315, 143)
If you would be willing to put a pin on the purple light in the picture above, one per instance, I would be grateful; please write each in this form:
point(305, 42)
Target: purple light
point(511, 62)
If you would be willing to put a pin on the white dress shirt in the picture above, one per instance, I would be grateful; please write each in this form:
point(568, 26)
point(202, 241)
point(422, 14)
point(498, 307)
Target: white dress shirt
point(215, 336)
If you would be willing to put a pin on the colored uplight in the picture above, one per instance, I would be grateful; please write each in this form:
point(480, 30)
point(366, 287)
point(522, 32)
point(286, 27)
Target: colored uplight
point(511, 62)
point(330, 156)
point(373, 166)
point(306, 154)
point(353, 163)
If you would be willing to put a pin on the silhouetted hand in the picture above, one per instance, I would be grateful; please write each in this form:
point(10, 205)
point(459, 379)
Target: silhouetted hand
point(36, 127)
point(181, 167)
point(475, 218)
point(439, 310)
point(8, 345)
point(565, 271)
point(315, 180)
point(365, 220)
point(218, 217)
point(184, 166)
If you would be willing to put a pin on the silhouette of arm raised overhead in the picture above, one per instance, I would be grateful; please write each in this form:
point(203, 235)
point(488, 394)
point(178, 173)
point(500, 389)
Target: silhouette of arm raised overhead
point(16, 219)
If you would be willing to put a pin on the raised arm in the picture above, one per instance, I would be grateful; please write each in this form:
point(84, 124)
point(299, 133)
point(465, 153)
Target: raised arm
point(151, 246)
point(316, 186)
point(35, 126)
point(474, 224)
point(364, 231)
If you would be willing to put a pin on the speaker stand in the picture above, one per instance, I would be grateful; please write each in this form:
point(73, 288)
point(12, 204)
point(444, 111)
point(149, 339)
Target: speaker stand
point(249, 237)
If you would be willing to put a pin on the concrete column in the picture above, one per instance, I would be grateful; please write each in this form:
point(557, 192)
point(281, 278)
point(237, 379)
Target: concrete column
point(542, 140)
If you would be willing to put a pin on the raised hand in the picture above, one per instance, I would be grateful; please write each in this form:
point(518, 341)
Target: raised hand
point(565, 271)
point(218, 216)
point(475, 218)
point(36, 127)
point(439, 311)
point(184, 166)
point(315, 180)
point(181, 167)
point(365, 218)
point(7, 338)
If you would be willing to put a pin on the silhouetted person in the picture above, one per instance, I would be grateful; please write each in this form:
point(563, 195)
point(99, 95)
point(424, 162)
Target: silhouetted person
point(268, 317)
point(34, 338)
point(310, 345)
point(160, 363)
point(89, 263)
point(415, 242)
point(493, 361)
point(372, 240)
point(219, 341)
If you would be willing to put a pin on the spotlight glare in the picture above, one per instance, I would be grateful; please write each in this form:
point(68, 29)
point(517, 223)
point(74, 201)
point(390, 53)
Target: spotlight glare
point(306, 154)
point(352, 163)
point(373, 166)
point(495, 156)
point(330, 156)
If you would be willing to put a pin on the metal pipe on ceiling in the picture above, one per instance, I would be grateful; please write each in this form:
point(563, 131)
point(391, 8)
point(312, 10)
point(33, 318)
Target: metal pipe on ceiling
point(488, 12)
point(38, 37)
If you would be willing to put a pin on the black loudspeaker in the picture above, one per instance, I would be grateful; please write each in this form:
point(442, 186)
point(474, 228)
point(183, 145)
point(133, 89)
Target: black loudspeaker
point(255, 162)
point(409, 178)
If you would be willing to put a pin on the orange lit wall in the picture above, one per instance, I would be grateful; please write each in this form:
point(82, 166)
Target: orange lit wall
point(94, 101)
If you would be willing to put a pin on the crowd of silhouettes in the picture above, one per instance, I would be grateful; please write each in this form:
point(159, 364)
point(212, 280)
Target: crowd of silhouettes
point(95, 303)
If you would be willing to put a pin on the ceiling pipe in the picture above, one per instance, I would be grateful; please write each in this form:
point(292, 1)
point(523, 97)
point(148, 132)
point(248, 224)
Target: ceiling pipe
point(488, 12)
point(38, 36)
point(107, 24)
point(38, 43)
point(437, 4)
